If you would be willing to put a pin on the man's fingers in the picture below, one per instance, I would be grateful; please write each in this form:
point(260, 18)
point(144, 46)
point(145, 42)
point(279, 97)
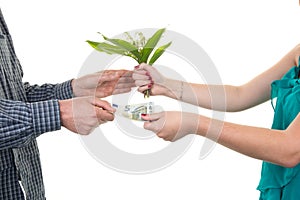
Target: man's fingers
point(111, 75)
point(125, 85)
point(126, 79)
point(104, 105)
point(107, 77)
point(104, 115)
point(121, 90)
point(126, 73)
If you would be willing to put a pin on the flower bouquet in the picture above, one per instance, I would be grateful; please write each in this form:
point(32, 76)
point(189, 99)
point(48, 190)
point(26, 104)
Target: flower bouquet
point(139, 48)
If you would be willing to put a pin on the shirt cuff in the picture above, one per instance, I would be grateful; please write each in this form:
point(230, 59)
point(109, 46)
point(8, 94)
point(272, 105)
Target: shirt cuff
point(64, 90)
point(46, 116)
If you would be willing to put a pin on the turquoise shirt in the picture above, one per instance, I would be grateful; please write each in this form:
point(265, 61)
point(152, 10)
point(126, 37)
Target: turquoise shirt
point(281, 183)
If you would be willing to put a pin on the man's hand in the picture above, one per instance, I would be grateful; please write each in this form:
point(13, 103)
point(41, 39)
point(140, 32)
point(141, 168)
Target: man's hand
point(103, 84)
point(82, 115)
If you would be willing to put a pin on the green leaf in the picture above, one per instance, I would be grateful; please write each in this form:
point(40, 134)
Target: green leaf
point(107, 48)
point(110, 49)
point(124, 45)
point(150, 45)
point(159, 52)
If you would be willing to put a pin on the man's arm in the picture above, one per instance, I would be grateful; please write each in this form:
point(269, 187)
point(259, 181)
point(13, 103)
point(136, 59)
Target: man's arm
point(44, 92)
point(99, 84)
point(22, 122)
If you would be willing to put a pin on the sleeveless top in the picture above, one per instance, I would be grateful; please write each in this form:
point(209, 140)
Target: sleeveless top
point(286, 93)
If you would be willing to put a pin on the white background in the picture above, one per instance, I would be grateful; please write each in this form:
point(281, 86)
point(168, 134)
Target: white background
point(243, 38)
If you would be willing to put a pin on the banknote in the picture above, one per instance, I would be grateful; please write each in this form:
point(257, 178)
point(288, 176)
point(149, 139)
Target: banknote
point(134, 111)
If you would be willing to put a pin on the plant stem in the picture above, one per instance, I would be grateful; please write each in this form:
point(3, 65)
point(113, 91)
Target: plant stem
point(147, 93)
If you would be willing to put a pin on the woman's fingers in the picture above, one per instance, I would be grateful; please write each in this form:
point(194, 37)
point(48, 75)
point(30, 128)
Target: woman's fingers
point(154, 122)
point(152, 117)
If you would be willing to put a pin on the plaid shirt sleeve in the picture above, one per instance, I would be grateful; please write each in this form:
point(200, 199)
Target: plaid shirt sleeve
point(44, 92)
point(21, 122)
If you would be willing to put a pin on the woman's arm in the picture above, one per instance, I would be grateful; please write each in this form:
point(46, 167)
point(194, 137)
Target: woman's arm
point(216, 97)
point(281, 147)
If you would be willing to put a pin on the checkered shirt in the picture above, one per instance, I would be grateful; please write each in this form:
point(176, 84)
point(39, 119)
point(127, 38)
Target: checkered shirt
point(26, 111)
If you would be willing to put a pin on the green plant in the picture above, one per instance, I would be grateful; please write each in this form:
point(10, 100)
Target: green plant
point(139, 48)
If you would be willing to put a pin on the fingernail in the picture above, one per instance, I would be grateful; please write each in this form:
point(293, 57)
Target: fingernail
point(147, 73)
point(136, 67)
point(143, 114)
point(150, 85)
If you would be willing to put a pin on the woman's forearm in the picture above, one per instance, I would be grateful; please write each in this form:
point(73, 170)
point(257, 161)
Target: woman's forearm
point(215, 97)
point(232, 98)
point(275, 146)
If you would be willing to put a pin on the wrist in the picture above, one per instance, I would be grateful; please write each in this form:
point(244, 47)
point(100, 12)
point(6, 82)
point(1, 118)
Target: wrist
point(209, 127)
point(64, 111)
point(76, 89)
point(46, 116)
point(173, 89)
point(73, 84)
point(193, 123)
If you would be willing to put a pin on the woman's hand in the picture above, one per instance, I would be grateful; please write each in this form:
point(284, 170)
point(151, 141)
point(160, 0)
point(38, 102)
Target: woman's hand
point(147, 77)
point(171, 125)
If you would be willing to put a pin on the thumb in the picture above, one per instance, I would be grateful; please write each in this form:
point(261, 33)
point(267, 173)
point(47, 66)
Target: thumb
point(155, 122)
point(152, 117)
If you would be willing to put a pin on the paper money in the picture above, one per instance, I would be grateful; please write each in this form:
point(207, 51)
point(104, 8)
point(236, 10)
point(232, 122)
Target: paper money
point(134, 111)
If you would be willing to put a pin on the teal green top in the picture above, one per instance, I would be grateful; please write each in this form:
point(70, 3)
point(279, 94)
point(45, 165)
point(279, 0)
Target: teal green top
point(280, 182)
